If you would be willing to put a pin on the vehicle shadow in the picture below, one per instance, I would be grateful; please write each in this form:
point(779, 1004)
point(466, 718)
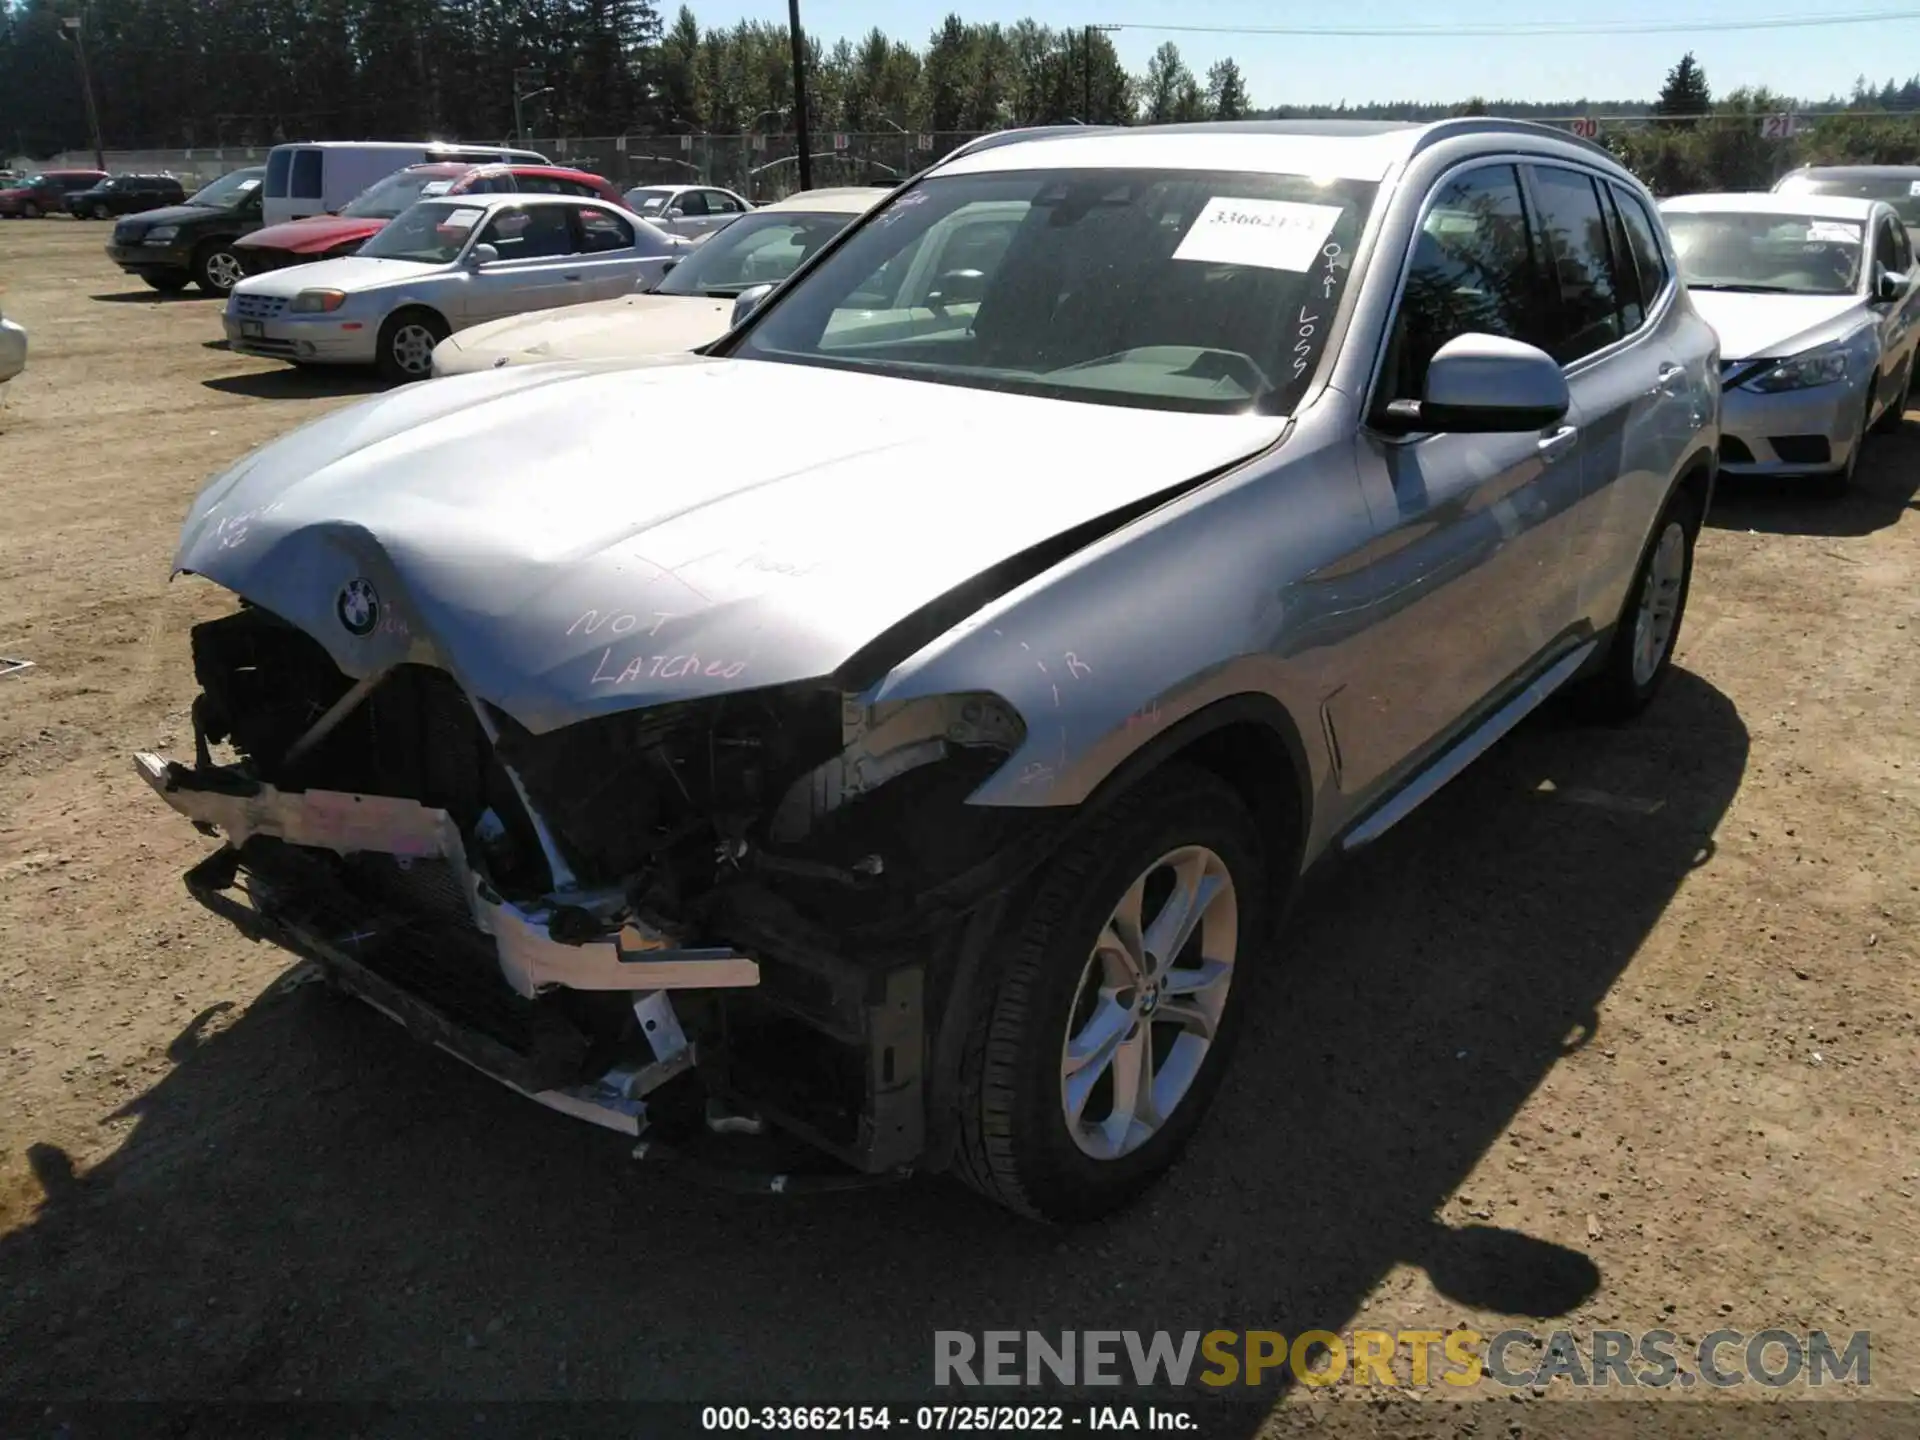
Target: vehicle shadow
point(288, 383)
point(311, 1203)
point(1883, 490)
point(146, 296)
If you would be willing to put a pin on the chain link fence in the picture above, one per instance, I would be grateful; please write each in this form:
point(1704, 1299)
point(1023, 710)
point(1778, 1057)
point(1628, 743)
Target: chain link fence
point(760, 167)
point(1721, 151)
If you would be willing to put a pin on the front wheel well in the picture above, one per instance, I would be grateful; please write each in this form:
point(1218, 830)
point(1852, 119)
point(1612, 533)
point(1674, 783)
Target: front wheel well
point(1254, 759)
point(1696, 479)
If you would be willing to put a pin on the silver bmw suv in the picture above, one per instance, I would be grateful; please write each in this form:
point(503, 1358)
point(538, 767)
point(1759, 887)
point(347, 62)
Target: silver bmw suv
point(1134, 517)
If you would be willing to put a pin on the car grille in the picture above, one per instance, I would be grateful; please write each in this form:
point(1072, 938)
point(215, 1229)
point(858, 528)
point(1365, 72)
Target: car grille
point(1734, 451)
point(258, 307)
point(254, 345)
point(1801, 449)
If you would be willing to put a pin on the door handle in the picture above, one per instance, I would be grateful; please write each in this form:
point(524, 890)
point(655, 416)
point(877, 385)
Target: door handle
point(570, 277)
point(1553, 446)
point(1669, 376)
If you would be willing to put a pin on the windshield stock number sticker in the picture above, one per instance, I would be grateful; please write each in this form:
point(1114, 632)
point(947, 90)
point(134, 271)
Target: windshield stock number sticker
point(461, 219)
point(1272, 234)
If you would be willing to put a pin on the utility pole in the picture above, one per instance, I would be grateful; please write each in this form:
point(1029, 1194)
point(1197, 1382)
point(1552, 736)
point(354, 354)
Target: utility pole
point(75, 24)
point(800, 93)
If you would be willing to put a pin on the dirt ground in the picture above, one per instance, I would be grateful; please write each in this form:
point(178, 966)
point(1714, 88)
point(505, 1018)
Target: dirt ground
point(1618, 1031)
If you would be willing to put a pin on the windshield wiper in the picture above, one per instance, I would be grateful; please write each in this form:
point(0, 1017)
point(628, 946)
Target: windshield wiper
point(1753, 289)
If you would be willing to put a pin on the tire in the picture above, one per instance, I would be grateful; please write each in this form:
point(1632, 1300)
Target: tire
point(100, 213)
point(1018, 1145)
point(29, 210)
point(1629, 679)
point(216, 269)
point(168, 284)
point(400, 356)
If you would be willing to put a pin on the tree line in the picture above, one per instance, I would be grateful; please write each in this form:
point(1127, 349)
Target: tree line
point(169, 73)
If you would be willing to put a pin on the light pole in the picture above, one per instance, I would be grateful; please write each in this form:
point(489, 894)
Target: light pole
point(800, 94)
point(519, 127)
point(75, 26)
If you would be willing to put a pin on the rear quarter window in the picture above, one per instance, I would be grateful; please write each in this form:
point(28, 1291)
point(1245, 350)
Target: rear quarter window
point(308, 175)
point(279, 168)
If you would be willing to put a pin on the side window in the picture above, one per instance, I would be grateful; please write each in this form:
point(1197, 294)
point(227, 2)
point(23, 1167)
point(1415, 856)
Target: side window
point(574, 187)
point(1902, 246)
point(1633, 310)
point(720, 204)
point(1649, 264)
point(1473, 271)
point(306, 182)
point(691, 202)
point(535, 232)
point(602, 230)
point(1580, 259)
point(1885, 252)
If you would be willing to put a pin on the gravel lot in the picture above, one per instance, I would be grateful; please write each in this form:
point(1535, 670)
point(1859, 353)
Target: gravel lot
point(1619, 1030)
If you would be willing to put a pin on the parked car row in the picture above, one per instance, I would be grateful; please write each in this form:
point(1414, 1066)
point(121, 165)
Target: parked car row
point(1300, 463)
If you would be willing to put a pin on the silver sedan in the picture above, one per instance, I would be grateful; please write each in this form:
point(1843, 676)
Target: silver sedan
point(695, 211)
point(1815, 302)
point(441, 266)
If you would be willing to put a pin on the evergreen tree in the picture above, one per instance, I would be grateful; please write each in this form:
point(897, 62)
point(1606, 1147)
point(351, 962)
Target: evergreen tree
point(1685, 92)
point(1226, 91)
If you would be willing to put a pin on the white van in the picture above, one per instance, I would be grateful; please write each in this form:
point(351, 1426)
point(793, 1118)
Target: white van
point(319, 176)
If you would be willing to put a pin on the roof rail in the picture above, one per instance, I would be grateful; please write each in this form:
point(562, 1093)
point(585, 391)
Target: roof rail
point(1436, 131)
point(997, 138)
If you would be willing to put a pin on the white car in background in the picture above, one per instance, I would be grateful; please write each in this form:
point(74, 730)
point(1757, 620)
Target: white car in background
point(690, 210)
point(692, 305)
point(442, 265)
point(1815, 302)
point(13, 349)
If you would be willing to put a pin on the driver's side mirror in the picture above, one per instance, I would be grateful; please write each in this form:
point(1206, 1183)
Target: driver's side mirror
point(1484, 384)
point(481, 255)
point(676, 212)
point(669, 263)
point(748, 301)
point(1889, 285)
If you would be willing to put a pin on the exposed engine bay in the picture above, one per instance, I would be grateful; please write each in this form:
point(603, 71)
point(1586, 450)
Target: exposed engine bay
point(748, 901)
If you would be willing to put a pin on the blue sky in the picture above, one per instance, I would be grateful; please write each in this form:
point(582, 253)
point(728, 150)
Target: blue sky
point(1279, 69)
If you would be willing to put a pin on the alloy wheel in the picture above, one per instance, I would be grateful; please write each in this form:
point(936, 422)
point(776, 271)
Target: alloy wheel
point(224, 269)
point(1149, 1002)
point(412, 348)
point(1659, 609)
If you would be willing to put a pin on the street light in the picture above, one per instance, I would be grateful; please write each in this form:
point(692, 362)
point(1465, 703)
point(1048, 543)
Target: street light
point(519, 127)
point(753, 125)
point(73, 25)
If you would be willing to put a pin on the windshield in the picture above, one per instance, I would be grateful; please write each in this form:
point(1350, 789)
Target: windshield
point(753, 250)
point(431, 232)
point(387, 198)
point(648, 202)
point(1192, 290)
point(1767, 254)
point(1902, 192)
point(228, 191)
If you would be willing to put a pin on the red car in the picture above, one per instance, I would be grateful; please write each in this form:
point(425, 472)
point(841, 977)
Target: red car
point(46, 192)
point(324, 237)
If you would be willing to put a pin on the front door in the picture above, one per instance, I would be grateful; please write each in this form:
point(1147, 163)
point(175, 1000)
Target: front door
point(538, 265)
point(1468, 579)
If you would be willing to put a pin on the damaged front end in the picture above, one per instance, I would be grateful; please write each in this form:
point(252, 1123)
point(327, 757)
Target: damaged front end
point(703, 913)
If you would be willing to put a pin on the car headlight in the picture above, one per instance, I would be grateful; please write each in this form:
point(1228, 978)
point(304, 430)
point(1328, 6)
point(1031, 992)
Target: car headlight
point(1803, 372)
point(317, 302)
point(160, 234)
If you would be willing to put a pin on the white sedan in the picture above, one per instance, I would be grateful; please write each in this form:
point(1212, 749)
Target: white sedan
point(442, 265)
point(695, 211)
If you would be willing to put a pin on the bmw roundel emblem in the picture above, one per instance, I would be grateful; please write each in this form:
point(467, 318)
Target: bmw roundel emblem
point(358, 607)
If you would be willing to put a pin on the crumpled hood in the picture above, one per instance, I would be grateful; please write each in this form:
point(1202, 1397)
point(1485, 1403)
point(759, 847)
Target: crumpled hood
point(313, 234)
point(632, 325)
point(570, 540)
point(1771, 327)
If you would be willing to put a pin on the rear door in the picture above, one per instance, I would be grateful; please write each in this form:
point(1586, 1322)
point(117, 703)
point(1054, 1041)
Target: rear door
point(687, 214)
point(610, 265)
point(1626, 382)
